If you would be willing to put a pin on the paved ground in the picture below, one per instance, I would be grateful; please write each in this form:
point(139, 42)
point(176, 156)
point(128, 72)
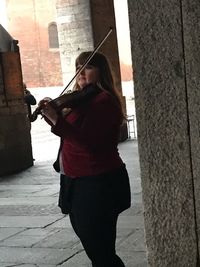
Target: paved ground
point(33, 232)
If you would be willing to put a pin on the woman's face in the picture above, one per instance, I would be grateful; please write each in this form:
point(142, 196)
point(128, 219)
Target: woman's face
point(89, 74)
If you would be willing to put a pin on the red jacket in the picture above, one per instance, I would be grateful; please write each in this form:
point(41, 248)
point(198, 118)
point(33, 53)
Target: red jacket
point(90, 135)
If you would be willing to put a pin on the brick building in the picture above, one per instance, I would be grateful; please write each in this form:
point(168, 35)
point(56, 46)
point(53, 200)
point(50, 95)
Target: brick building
point(32, 22)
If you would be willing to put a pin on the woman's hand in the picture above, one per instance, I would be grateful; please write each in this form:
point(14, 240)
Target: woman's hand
point(44, 101)
point(48, 111)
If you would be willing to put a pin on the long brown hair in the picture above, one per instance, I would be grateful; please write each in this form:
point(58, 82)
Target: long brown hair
point(106, 81)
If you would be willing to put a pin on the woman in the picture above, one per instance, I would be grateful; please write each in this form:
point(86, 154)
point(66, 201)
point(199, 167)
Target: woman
point(94, 181)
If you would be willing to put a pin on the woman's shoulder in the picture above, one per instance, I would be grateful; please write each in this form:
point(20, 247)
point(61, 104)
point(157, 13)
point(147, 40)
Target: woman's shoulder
point(103, 96)
point(105, 101)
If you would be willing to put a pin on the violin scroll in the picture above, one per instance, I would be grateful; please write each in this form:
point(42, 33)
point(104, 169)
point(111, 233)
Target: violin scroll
point(37, 111)
point(34, 115)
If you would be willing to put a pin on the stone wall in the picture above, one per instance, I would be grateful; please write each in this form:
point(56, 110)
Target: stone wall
point(165, 49)
point(15, 138)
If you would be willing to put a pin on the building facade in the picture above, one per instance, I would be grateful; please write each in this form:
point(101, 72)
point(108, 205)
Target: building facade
point(33, 24)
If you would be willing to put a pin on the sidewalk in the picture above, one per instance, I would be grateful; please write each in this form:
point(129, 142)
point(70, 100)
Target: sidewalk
point(33, 232)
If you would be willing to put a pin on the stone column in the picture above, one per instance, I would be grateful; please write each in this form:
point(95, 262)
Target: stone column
point(102, 18)
point(81, 26)
point(74, 33)
point(15, 138)
point(165, 55)
point(191, 37)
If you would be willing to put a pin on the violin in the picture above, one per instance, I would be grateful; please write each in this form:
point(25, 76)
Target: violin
point(71, 100)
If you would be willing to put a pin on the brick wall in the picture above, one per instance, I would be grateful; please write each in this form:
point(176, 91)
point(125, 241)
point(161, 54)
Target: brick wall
point(28, 22)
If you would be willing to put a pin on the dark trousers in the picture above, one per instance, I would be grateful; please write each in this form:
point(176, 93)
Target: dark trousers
point(93, 205)
point(98, 239)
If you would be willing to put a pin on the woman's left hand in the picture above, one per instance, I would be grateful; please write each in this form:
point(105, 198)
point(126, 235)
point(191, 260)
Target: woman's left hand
point(50, 113)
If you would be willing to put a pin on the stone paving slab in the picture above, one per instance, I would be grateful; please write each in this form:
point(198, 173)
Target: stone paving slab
point(28, 221)
point(27, 237)
point(62, 238)
point(62, 223)
point(134, 240)
point(27, 200)
point(80, 260)
point(20, 255)
point(8, 191)
point(8, 232)
point(31, 210)
point(130, 222)
point(10, 264)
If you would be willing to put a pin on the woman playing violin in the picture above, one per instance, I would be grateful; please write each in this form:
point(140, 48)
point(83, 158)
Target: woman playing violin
point(94, 181)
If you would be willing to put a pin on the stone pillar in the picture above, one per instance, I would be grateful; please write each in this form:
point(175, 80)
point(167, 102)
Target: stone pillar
point(15, 138)
point(191, 37)
point(81, 26)
point(102, 18)
point(165, 53)
point(74, 33)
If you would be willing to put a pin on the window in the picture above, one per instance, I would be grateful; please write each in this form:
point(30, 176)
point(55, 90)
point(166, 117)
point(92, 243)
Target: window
point(53, 35)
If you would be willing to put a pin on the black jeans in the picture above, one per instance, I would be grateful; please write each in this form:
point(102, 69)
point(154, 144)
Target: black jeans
point(93, 204)
point(98, 239)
